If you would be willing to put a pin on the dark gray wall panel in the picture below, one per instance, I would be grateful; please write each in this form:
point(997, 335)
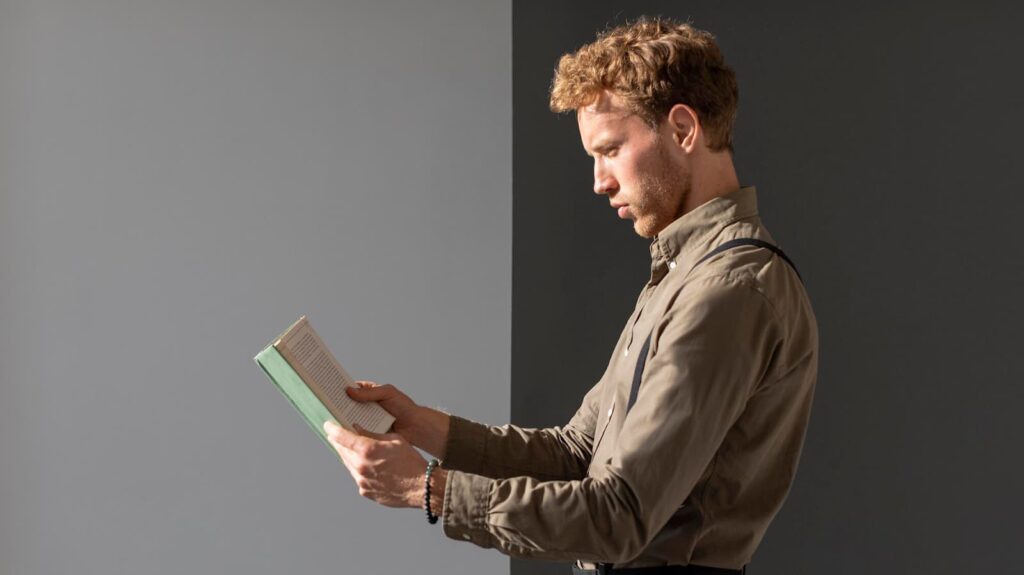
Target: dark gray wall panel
point(882, 141)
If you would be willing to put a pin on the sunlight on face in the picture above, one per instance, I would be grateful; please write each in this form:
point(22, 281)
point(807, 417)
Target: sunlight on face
point(633, 165)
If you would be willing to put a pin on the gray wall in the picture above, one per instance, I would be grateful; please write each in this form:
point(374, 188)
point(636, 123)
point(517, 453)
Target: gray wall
point(883, 141)
point(179, 180)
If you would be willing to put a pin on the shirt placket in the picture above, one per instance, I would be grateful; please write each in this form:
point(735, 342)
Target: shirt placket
point(660, 266)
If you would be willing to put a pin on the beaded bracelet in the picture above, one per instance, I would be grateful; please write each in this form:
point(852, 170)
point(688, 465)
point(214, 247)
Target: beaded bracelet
point(431, 518)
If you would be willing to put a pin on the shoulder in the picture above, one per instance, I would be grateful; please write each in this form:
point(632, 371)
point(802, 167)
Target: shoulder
point(721, 306)
point(759, 271)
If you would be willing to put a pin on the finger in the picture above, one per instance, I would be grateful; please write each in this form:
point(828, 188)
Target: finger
point(349, 462)
point(370, 392)
point(367, 433)
point(349, 457)
point(340, 451)
point(329, 429)
point(340, 435)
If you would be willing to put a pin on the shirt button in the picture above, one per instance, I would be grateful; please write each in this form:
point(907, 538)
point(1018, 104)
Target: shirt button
point(610, 411)
point(672, 265)
point(465, 536)
point(625, 352)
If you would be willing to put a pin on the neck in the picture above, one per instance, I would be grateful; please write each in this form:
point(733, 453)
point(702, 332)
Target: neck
point(716, 177)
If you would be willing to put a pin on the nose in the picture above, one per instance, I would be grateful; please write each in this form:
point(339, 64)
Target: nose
point(604, 182)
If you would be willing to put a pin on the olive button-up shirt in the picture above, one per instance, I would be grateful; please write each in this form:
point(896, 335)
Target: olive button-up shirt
point(702, 462)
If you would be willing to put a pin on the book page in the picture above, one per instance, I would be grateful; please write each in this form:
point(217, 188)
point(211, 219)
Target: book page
point(315, 364)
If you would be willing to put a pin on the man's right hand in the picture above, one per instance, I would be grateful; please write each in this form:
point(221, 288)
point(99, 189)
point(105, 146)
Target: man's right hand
point(421, 426)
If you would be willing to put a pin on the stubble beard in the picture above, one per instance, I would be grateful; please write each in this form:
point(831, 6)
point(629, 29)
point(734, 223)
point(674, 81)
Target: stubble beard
point(663, 194)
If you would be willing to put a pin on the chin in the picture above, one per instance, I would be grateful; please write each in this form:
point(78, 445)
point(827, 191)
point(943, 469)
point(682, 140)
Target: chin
point(642, 230)
point(649, 227)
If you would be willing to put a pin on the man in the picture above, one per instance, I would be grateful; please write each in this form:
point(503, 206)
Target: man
point(683, 452)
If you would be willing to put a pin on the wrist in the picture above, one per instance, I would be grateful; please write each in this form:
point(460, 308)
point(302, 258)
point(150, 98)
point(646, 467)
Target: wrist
point(432, 431)
point(438, 481)
point(431, 498)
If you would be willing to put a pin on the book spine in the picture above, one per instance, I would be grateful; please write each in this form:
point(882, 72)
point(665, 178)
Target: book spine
point(280, 372)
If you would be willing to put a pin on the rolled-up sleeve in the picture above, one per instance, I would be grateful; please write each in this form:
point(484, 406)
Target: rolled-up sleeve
point(510, 450)
point(707, 355)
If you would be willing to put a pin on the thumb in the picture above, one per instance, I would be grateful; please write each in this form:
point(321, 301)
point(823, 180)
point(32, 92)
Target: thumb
point(369, 393)
point(367, 433)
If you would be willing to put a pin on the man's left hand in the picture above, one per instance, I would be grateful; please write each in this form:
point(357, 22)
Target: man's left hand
point(385, 467)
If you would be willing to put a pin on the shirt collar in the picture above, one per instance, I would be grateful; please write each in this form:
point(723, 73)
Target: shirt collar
point(696, 228)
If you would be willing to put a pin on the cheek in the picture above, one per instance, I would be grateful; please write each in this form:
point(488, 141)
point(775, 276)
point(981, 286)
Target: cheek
point(626, 173)
point(640, 163)
point(635, 177)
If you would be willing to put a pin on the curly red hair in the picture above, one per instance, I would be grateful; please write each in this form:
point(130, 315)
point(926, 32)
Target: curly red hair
point(653, 64)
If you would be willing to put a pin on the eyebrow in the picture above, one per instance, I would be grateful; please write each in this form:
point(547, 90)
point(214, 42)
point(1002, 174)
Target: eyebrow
point(604, 143)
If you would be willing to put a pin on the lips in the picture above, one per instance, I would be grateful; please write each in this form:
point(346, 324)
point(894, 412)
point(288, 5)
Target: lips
point(623, 210)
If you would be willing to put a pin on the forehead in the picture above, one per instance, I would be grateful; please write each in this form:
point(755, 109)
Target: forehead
point(606, 117)
point(605, 109)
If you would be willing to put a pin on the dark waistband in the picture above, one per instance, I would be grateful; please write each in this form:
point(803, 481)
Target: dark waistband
point(662, 570)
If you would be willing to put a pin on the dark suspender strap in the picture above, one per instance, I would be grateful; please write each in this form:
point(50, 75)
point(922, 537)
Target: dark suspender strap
point(749, 242)
point(638, 373)
point(642, 360)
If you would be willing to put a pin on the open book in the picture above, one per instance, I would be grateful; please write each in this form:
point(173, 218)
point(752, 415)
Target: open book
point(308, 375)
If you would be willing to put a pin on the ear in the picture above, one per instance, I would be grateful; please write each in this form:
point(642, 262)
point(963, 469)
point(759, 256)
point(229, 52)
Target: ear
point(685, 127)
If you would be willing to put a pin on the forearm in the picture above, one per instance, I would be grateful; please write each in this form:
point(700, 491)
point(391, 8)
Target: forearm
point(431, 432)
point(504, 451)
point(591, 519)
point(510, 450)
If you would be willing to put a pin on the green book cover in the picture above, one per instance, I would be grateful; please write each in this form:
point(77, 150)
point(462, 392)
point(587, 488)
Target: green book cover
point(291, 385)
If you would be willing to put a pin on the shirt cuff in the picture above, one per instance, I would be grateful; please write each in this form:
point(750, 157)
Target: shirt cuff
point(466, 501)
point(464, 449)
